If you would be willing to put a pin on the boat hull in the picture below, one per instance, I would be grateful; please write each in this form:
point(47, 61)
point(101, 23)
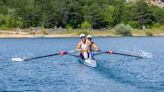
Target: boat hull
point(88, 62)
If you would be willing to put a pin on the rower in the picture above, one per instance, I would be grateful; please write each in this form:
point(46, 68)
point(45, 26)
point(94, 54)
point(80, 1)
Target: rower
point(81, 47)
point(91, 46)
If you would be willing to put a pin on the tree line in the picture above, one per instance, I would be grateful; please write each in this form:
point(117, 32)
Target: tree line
point(94, 14)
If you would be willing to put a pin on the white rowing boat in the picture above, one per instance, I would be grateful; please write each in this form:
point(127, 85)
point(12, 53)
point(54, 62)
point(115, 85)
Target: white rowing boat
point(88, 62)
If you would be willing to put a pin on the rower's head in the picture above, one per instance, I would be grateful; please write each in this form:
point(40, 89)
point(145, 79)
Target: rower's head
point(83, 37)
point(89, 37)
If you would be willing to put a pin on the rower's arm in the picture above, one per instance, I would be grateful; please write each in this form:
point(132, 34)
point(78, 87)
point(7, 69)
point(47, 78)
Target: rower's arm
point(95, 47)
point(78, 47)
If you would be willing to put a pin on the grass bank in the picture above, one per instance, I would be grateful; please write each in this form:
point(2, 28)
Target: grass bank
point(27, 33)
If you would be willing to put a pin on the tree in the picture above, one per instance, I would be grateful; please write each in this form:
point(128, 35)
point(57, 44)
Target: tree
point(158, 13)
point(109, 15)
point(75, 13)
point(143, 14)
point(119, 11)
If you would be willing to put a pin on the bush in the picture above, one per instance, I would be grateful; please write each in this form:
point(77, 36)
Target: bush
point(155, 25)
point(148, 33)
point(133, 24)
point(43, 30)
point(9, 21)
point(122, 29)
point(162, 28)
point(85, 25)
point(30, 30)
point(68, 27)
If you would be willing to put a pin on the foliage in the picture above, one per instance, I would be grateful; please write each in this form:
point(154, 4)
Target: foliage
point(143, 14)
point(122, 29)
point(43, 30)
point(30, 30)
point(158, 13)
point(155, 25)
point(118, 11)
point(68, 27)
point(8, 21)
point(96, 14)
point(109, 15)
point(148, 33)
point(85, 25)
point(133, 24)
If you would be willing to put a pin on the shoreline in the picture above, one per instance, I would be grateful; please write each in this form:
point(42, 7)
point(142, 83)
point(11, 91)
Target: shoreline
point(15, 34)
point(66, 36)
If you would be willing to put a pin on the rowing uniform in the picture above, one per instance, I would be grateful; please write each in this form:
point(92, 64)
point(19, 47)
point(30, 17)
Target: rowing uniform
point(85, 54)
point(83, 47)
point(91, 55)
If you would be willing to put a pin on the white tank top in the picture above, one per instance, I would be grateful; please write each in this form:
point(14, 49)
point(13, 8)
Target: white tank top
point(83, 46)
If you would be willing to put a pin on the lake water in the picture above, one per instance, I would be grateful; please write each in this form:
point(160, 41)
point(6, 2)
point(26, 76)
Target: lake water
point(114, 73)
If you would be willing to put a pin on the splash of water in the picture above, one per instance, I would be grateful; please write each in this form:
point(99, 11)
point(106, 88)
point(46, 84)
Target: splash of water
point(20, 57)
point(17, 59)
point(140, 53)
point(145, 54)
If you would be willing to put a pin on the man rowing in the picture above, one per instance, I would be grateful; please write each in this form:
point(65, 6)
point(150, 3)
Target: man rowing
point(91, 46)
point(81, 47)
point(85, 46)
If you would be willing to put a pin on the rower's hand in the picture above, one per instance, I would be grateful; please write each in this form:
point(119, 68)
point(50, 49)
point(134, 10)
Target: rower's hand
point(110, 51)
point(78, 50)
point(62, 52)
point(98, 50)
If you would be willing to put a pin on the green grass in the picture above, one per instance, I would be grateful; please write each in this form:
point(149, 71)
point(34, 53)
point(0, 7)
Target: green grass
point(149, 33)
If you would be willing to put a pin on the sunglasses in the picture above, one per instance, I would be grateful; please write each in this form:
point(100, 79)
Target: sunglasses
point(89, 38)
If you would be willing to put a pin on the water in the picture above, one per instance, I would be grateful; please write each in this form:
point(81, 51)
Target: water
point(113, 73)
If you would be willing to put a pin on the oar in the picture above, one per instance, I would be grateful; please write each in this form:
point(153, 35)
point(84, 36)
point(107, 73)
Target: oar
point(74, 55)
point(127, 55)
point(50, 55)
point(111, 52)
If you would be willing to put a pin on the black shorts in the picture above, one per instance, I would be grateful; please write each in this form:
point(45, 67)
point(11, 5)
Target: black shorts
point(81, 55)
